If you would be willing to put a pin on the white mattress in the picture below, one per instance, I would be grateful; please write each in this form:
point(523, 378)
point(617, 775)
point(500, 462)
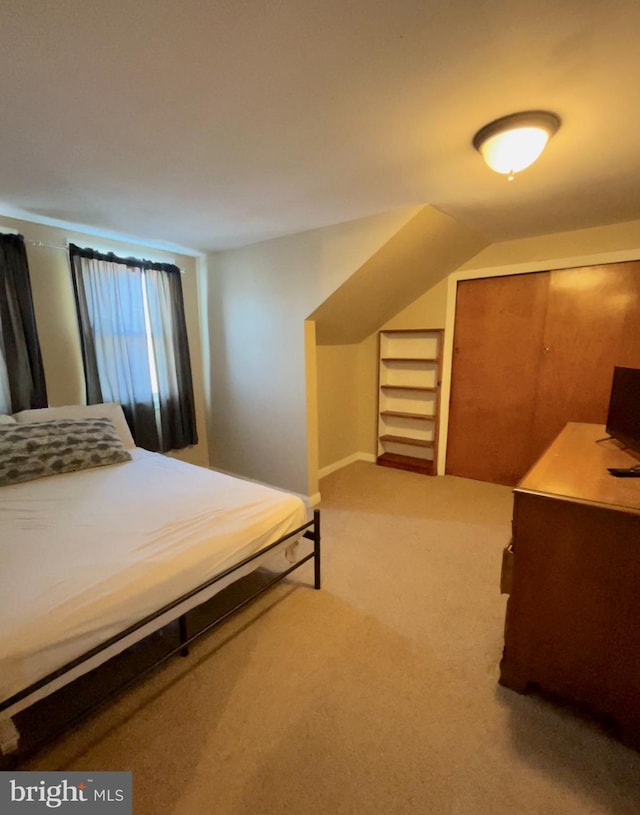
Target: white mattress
point(84, 555)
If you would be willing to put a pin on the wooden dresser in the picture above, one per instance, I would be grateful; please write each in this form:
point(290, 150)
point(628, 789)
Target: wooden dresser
point(572, 571)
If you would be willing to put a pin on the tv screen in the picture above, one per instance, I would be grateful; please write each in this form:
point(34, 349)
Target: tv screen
point(623, 419)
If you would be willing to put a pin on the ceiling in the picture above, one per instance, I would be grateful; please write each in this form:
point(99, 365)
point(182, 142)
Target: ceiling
point(207, 126)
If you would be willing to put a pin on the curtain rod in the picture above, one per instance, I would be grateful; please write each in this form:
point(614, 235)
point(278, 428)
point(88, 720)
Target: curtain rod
point(66, 249)
point(48, 245)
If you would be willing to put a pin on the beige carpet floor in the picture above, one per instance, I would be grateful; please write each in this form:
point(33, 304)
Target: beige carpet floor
point(377, 694)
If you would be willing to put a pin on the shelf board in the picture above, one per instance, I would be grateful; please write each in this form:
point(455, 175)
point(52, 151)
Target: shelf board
point(408, 359)
point(416, 465)
point(409, 388)
point(401, 414)
point(406, 440)
point(412, 331)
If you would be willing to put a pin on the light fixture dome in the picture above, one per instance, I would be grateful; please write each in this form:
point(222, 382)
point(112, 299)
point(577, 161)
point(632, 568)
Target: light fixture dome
point(514, 142)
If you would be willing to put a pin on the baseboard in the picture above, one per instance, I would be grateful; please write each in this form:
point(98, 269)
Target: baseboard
point(344, 462)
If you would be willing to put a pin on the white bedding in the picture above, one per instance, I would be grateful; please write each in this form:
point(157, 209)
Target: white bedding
point(84, 555)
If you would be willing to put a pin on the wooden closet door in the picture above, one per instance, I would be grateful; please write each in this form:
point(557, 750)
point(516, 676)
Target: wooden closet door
point(498, 344)
point(592, 325)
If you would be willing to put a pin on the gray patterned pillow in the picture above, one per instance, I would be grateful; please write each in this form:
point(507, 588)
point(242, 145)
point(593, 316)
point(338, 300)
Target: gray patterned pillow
point(37, 449)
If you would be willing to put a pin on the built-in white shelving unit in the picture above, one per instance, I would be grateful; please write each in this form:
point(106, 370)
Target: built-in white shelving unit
point(409, 373)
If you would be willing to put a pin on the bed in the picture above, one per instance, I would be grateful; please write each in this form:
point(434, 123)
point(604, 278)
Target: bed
point(99, 555)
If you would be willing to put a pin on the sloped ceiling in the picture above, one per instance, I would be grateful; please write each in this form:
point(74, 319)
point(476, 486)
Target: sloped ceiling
point(424, 251)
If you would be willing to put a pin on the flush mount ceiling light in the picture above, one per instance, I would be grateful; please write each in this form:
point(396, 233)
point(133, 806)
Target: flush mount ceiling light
point(514, 142)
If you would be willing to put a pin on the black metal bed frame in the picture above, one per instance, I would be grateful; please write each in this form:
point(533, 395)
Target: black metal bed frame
point(309, 530)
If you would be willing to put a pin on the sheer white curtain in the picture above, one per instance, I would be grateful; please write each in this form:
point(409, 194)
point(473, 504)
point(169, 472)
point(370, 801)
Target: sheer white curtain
point(115, 303)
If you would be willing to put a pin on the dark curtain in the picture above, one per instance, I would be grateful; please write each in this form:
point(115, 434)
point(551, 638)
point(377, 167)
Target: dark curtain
point(20, 346)
point(134, 344)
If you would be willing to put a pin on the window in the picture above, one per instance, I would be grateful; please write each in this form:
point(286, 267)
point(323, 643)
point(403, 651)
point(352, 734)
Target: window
point(134, 344)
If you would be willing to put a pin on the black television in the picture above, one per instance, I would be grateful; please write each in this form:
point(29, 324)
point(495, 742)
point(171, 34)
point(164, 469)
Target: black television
point(623, 418)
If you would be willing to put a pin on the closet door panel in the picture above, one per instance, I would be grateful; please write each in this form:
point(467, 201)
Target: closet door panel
point(629, 349)
point(497, 353)
point(591, 326)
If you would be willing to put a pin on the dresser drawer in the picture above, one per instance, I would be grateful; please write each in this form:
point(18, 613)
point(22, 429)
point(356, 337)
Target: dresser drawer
point(506, 575)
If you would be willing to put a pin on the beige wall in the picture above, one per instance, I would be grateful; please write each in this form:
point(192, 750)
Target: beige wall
point(347, 382)
point(338, 367)
point(348, 377)
point(427, 248)
point(428, 311)
point(311, 367)
point(57, 322)
point(367, 421)
point(602, 244)
point(259, 298)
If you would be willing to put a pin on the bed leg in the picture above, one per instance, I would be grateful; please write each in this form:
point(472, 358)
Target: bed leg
point(183, 635)
point(316, 548)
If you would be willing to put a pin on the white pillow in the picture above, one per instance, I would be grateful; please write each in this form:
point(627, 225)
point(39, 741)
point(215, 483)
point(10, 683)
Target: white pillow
point(4, 419)
point(107, 410)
